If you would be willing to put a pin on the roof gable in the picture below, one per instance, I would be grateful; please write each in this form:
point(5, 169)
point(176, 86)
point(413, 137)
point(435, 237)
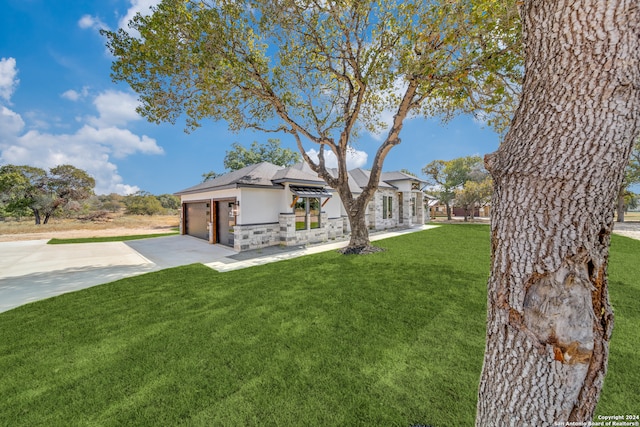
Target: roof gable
point(361, 178)
point(300, 172)
point(399, 176)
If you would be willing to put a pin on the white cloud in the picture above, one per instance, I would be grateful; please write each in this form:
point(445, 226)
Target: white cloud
point(120, 142)
point(355, 158)
point(92, 22)
point(8, 78)
point(10, 122)
point(137, 6)
point(92, 147)
point(89, 149)
point(115, 108)
point(73, 95)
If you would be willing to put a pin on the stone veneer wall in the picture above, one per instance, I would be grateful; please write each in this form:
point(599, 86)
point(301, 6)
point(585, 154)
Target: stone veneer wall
point(257, 236)
point(384, 223)
point(329, 229)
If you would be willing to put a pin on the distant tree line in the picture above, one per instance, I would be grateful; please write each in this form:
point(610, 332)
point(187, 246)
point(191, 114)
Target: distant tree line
point(68, 192)
point(464, 182)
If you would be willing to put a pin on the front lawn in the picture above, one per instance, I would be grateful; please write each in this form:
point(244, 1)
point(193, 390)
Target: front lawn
point(394, 338)
point(109, 238)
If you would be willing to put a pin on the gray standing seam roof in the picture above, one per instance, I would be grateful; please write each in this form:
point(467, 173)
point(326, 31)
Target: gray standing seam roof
point(266, 174)
point(259, 174)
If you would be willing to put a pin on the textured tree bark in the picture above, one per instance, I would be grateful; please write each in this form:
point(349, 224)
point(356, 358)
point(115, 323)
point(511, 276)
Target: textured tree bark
point(359, 242)
point(556, 178)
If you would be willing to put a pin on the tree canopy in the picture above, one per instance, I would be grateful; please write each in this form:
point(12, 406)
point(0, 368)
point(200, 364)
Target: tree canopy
point(143, 203)
point(449, 176)
point(323, 72)
point(240, 156)
point(23, 187)
point(271, 152)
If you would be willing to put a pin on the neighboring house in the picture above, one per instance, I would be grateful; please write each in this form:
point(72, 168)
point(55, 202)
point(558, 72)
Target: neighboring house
point(265, 205)
point(438, 209)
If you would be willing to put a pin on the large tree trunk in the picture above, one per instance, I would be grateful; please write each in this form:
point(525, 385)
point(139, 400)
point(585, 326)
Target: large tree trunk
point(359, 242)
point(557, 176)
point(359, 237)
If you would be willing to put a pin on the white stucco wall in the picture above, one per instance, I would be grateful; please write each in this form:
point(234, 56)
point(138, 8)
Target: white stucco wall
point(404, 186)
point(334, 208)
point(259, 205)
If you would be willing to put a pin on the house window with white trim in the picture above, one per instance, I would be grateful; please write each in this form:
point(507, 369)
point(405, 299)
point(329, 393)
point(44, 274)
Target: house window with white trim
point(387, 207)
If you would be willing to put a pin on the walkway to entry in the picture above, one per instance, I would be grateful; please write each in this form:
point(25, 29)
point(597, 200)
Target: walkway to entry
point(33, 270)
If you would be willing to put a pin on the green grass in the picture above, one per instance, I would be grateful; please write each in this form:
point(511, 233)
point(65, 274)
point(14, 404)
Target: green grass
point(390, 339)
point(108, 238)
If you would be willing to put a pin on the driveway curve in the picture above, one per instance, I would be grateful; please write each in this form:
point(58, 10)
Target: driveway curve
point(33, 270)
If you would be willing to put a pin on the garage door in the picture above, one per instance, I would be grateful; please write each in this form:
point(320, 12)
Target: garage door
point(196, 219)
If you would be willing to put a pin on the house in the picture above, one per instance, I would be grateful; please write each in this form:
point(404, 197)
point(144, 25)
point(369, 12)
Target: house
point(265, 205)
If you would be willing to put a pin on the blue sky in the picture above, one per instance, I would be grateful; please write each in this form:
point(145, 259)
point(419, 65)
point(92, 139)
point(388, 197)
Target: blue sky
point(58, 105)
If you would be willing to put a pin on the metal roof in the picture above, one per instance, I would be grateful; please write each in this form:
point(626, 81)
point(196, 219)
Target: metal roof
point(399, 176)
point(300, 172)
point(259, 174)
point(268, 175)
point(309, 191)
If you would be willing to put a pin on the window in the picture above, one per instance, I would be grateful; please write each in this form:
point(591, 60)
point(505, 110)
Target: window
point(413, 206)
point(387, 207)
point(307, 211)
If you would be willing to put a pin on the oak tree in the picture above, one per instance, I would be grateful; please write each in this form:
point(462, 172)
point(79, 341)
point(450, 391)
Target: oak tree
point(270, 152)
point(449, 176)
point(556, 178)
point(43, 193)
point(474, 194)
point(323, 72)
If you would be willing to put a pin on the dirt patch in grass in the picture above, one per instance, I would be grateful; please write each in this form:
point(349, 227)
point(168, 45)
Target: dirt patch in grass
point(118, 225)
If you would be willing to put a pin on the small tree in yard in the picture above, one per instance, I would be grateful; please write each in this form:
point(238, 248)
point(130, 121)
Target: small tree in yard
point(556, 177)
point(449, 176)
point(474, 194)
point(322, 72)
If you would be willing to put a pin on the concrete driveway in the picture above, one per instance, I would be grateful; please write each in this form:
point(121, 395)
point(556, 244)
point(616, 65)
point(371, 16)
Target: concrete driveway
point(32, 270)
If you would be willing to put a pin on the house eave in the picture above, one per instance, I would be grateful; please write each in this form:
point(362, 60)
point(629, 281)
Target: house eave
point(228, 187)
point(299, 181)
